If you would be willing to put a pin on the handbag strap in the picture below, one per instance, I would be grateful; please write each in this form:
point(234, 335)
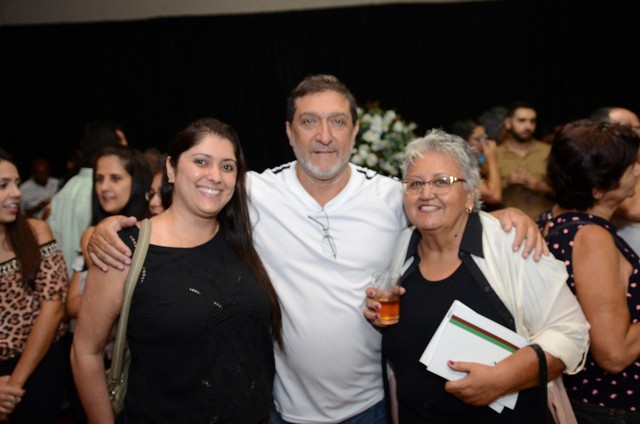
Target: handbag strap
point(542, 388)
point(115, 371)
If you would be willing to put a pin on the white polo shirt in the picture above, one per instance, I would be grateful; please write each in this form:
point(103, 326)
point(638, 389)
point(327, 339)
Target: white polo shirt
point(331, 368)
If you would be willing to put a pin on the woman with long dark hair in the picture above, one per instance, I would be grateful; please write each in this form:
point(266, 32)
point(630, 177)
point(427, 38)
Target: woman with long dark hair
point(204, 314)
point(33, 288)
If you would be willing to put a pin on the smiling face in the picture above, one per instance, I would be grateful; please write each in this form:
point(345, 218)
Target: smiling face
point(205, 176)
point(322, 134)
point(441, 212)
point(10, 193)
point(112, 184)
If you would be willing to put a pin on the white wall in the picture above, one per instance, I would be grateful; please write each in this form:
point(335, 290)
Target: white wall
point(26, 12)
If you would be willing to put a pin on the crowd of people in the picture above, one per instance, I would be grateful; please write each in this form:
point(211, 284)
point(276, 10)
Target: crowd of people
point(255, 302)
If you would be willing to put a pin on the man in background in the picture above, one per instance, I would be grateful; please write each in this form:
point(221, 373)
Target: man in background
point(523, 162)
point(618, 115)
point(38, 190)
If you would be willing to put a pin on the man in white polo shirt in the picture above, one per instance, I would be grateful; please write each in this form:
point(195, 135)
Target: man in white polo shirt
point(323, 226)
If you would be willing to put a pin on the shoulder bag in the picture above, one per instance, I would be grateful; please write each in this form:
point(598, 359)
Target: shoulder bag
point(118, 372)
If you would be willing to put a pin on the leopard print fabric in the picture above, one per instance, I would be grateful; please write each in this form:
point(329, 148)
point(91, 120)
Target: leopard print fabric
point(20, 307)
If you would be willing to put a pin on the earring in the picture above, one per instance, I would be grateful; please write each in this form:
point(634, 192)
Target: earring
point(468, 210)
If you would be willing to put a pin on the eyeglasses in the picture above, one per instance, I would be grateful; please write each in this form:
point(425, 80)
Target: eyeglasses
point(150, 195)
point(439, 185)
point(328, 244)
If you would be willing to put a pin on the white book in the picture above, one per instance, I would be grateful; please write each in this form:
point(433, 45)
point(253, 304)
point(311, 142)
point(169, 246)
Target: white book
point(464, 335)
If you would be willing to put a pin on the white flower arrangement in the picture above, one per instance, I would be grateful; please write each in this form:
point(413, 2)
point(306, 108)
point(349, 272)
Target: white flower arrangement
point(381, 140)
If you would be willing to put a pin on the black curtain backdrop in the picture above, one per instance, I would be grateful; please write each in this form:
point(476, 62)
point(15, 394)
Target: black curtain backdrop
point(434, 63)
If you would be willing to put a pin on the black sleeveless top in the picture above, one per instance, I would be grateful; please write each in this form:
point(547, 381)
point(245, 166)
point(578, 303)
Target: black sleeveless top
point(593, 384)
point(200, 338)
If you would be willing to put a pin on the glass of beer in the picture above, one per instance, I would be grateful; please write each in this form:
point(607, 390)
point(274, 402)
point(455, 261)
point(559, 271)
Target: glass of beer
point(384, 282)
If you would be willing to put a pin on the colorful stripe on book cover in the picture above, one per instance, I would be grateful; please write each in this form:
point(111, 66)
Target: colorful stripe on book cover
point(490, 337)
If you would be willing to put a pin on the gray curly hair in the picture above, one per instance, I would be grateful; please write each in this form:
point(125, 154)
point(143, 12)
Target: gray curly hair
point(437, 140)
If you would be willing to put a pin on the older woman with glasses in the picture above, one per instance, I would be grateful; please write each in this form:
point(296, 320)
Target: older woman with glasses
point(455, 252)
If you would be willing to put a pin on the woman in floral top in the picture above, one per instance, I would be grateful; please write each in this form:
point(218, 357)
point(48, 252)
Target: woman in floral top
point(592, 168)
point(33, 286)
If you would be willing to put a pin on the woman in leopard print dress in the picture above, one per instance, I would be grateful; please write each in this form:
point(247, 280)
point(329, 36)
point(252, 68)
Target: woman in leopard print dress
point(33, 287)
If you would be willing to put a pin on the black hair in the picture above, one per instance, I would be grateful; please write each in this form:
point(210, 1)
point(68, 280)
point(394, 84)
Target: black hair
point(587, 155)
point(22, 240)
point(519, 104)
point(136, 165)
point(317, 84)
point(464, 128)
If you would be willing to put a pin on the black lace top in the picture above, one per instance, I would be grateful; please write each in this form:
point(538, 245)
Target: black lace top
point(200, 339)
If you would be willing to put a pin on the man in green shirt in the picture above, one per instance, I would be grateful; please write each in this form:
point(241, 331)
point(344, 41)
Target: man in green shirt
point(523, 161)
